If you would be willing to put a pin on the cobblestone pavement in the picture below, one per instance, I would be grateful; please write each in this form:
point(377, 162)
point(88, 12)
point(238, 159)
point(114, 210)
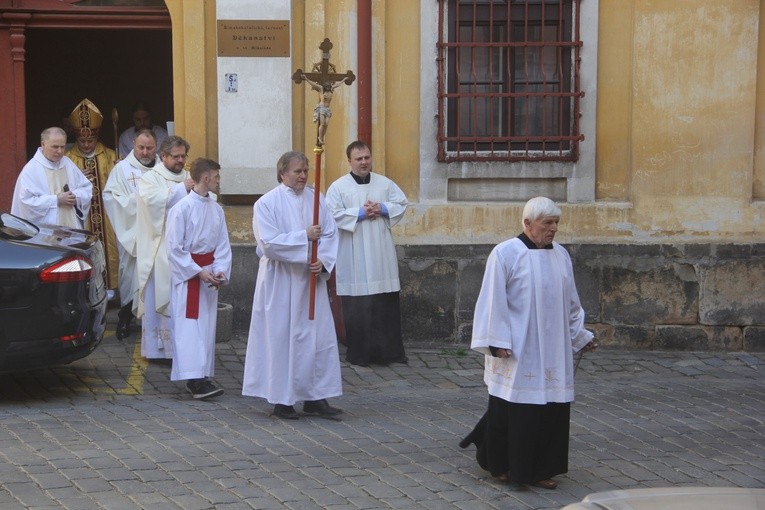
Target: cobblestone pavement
point(112, 432)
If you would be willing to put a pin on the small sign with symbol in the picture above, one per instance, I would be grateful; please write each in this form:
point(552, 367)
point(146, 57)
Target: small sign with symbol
point(232, 84)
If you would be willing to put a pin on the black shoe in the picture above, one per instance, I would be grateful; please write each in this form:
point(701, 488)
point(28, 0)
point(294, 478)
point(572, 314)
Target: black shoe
point(475, 437)
point(202, 389)
point(285, 412)
point(320, 407)
point(125, 317)
point(123, 329)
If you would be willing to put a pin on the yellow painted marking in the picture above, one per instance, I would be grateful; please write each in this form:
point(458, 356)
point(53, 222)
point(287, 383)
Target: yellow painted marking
point(134, 381)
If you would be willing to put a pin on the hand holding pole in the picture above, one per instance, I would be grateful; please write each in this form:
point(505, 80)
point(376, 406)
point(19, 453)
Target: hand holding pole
point(325, 79)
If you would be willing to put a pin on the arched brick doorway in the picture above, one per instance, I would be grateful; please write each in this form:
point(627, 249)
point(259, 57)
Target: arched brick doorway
point(54, 53)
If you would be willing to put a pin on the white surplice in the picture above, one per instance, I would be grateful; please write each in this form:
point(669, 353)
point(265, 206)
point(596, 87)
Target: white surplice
point(158, 191)
point(120, 195)
point(528, 303)
point(34, 197)
point(196, 224)
point(290, 358)
point(366, 258)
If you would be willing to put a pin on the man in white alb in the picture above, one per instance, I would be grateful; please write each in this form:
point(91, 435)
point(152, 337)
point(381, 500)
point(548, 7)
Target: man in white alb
point(158, 191)
point(50, 188)
point(120, 201)
point(289, 357)
point(366, 206)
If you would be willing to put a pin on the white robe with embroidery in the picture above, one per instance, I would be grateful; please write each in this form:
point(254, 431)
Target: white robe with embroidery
point(120, 195)
point(366, 260)
point(528, 303)
point(158, 191)
point(290, 358)
point(34, 197)
point(196, 224)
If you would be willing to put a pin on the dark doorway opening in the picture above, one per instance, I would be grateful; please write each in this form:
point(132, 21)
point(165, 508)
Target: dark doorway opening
point(114, 68)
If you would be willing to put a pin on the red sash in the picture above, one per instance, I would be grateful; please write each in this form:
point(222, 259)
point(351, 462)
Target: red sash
point(192, 294)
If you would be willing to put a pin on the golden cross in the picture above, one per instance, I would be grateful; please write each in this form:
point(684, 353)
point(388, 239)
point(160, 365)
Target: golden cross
point(324, 79)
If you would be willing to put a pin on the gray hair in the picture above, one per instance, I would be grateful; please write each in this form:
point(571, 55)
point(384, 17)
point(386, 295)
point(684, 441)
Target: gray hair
point(539, 207)
point(284, 162)
point(52, 131)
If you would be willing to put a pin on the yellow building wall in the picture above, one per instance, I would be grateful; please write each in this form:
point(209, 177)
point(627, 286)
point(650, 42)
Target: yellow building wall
point(679, 132)
point(690, 117)
point(758, 182)
point(194, 78)
point(401, 68)
point(614, 100)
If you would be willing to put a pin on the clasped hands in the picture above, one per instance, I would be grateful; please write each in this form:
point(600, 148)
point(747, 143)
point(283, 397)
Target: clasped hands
point(66, 198)
point(212, 280)
point(372, 210)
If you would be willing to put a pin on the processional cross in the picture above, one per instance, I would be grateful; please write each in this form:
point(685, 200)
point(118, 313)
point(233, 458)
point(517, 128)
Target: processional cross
point(324, 79)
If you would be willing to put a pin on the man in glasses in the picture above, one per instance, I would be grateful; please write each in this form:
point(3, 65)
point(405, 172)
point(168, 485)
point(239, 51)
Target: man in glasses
point(158, 191)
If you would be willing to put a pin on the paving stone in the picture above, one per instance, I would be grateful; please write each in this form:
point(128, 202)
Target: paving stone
point(641, 419)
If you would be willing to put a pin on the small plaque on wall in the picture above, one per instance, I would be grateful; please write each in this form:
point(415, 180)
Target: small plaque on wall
point(253, 38)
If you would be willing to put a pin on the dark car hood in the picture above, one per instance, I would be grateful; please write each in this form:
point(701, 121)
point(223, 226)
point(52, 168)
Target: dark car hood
point(64, 237)
point(17, 235)
point(17, 230)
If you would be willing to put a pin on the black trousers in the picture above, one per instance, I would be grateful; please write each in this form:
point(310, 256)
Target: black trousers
point(528, 442)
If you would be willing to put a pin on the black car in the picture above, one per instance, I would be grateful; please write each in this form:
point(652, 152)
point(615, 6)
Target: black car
point(52, 294)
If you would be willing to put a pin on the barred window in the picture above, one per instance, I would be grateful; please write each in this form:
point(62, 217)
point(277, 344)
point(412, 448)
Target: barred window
point(508, 80)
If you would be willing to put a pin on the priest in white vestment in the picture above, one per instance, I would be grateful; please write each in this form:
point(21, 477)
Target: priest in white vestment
point(200, 261)
point(50, 188)
point(289, 357)
point(528, 323)
point(120, 201)
point(366, 206)
point(158, 191)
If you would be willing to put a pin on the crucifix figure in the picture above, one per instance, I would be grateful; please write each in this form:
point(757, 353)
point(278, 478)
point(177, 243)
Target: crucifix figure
point(324, 79)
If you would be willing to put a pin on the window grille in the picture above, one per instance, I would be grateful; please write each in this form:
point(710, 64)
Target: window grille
point(508, 80)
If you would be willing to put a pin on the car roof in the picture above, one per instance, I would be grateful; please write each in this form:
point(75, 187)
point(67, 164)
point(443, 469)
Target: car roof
point(674, 498)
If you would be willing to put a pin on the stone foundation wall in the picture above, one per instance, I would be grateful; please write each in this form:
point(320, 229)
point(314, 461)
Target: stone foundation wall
point(673, 297)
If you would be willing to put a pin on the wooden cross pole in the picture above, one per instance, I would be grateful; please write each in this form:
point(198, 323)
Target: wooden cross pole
point(324, 79)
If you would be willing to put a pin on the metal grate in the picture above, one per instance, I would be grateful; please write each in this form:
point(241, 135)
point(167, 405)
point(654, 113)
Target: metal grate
point(508, 80)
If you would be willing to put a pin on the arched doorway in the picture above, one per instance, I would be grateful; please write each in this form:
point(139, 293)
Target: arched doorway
point(55, 53)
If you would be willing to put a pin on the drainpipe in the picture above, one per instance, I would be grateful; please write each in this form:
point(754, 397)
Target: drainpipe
point(364, 45)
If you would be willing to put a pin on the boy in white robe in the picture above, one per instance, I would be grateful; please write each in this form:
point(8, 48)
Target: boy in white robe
point(50, 188)
point(528, 322)
point(289, 357)
point(199, 253)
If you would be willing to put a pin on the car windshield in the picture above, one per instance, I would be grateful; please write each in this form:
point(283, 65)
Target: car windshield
point(15, 228)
